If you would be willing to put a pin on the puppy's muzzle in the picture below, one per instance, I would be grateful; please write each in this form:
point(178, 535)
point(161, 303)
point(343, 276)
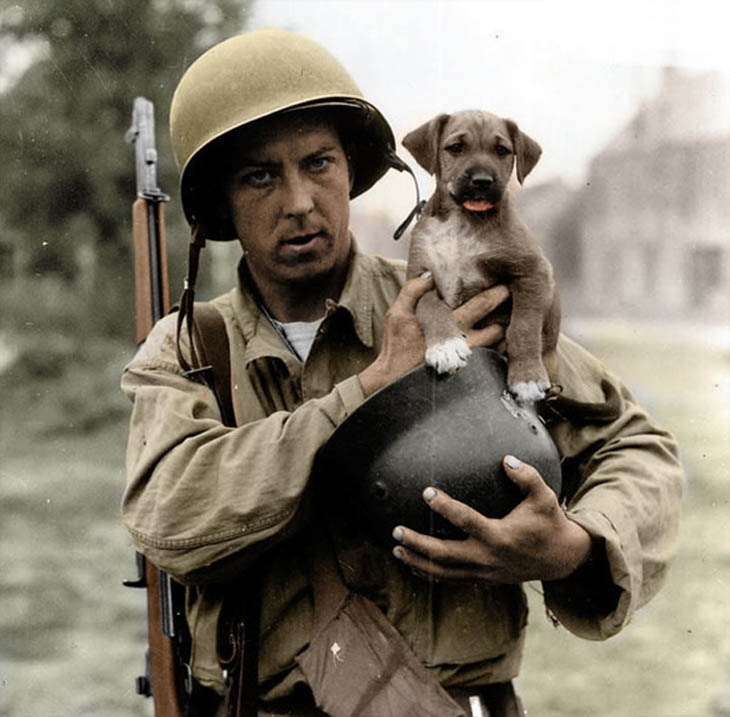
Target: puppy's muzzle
point(476, 185)
point(481, 180)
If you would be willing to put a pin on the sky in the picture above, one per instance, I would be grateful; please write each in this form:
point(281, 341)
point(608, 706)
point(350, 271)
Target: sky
point(570, 73)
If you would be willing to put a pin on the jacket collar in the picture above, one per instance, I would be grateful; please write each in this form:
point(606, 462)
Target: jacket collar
point(261, 338)
point(357, 298)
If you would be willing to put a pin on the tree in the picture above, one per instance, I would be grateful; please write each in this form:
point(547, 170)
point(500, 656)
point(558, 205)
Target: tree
point(68, 176)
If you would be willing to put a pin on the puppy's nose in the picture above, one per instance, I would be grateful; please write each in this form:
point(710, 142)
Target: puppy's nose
point(480, 179)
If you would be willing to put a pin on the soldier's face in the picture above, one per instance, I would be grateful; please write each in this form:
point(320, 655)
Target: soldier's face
point(288, 198)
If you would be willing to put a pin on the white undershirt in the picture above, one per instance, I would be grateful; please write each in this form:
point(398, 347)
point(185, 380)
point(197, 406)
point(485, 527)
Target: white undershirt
point(300, 334)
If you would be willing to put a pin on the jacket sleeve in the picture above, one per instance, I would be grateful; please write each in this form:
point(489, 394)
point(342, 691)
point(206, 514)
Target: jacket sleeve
point(202, 499)
point(623, 484)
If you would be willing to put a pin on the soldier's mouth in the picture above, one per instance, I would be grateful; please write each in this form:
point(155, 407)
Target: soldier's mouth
point(301, 239)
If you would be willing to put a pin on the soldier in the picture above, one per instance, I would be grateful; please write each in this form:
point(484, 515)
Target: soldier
point(273, 139)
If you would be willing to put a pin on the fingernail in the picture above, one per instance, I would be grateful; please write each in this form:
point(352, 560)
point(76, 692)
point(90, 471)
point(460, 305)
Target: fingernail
point(425, 275)
point(512, 462)
point(398, 534)
point(398, 553)
point(429, 494)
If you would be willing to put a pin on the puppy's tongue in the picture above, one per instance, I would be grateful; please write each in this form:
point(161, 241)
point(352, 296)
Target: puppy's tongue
point(477, 205)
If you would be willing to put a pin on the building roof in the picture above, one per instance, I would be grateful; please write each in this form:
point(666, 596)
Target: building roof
point(687, 108)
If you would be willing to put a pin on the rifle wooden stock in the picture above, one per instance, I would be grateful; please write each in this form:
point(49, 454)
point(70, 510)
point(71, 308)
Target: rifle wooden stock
point(152, 301)
point(163, 673)
point(152, 290)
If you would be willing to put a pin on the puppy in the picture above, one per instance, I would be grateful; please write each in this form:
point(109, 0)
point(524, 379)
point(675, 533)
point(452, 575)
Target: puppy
point(470, 237)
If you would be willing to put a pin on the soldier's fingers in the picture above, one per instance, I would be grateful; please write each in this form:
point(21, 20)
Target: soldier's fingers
point(481, 305)
point(427, 569)
point(490, 336)
point(412, 291)
point(441, 551)
point(525, 476)
point(420, 565)
point(459, 514)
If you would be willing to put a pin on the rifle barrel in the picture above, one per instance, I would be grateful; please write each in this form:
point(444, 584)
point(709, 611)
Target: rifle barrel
point(151, 278)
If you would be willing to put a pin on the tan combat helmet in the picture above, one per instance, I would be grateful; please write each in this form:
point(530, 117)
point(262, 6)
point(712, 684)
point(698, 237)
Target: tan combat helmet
point(256, 75)
point(245, 79)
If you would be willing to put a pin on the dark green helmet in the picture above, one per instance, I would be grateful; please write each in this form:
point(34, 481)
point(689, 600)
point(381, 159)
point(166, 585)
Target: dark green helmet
point(450, 432)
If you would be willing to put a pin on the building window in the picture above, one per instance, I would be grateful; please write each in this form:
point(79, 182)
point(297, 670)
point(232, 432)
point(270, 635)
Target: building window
point(706, 269)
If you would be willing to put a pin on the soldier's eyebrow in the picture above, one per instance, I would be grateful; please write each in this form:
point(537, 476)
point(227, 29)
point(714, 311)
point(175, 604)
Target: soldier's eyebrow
point(322, 150)
point(244, 162)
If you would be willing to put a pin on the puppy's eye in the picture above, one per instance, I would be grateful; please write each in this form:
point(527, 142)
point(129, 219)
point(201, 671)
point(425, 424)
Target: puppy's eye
point(455, 148)
point(502, 151)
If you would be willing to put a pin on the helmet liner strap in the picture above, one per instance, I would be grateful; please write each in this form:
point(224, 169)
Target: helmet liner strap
point(187, 300)
point(398, 164)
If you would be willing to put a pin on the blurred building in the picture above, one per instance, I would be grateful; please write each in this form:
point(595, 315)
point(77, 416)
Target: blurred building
point(649, 233)
point(373, 232)
point(552, 211)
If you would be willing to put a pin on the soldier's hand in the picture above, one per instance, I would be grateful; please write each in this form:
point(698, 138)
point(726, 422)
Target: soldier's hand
point(403, 343)
point(535, 541)
point(471, 317)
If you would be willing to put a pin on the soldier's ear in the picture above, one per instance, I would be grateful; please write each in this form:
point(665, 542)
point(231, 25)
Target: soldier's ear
point(527, 151)
point(423, 143)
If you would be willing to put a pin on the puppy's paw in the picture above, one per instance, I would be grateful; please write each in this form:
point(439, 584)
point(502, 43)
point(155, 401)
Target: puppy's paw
point(448, 356)
point(529, 391)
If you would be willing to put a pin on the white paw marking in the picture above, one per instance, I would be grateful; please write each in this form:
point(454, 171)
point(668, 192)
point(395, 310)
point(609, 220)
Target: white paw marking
point(529, 391)
point(448, 356)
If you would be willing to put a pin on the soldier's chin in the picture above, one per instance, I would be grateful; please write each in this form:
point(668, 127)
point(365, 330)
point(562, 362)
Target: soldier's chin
point(308, 268)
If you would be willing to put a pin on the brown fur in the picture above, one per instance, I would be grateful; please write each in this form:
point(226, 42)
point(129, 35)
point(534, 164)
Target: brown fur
point(472, 155)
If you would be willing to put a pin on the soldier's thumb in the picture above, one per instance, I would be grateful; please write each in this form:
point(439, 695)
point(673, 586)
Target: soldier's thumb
point(523, 475)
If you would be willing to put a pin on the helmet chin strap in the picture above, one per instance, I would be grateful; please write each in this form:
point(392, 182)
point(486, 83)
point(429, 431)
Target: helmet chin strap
point(397, 163)
point(187, 301)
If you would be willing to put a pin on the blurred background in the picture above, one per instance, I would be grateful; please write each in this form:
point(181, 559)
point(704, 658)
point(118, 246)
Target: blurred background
point(631, 201)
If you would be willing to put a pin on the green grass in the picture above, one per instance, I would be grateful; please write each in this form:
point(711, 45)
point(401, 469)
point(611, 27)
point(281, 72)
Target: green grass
point(73, 637)
point(674, 658)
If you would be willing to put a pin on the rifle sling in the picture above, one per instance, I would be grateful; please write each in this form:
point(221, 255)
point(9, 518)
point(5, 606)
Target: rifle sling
point(213, 353)
point(239, 624)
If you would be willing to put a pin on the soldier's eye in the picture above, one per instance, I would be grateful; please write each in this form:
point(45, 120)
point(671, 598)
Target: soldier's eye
point(319, 164)
point(259, 178)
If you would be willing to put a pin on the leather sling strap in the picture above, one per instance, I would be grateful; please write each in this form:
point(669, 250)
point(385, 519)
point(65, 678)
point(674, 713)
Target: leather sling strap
point(212, 356)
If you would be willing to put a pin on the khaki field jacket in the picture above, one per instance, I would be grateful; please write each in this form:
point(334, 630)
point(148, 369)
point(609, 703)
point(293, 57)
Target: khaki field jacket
point(203, 500)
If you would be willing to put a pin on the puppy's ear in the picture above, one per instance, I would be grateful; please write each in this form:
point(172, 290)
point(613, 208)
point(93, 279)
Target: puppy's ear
point(423, 142)
point(527, 150)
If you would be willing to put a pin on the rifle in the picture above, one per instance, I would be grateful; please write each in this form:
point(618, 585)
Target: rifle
point(167, 677)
